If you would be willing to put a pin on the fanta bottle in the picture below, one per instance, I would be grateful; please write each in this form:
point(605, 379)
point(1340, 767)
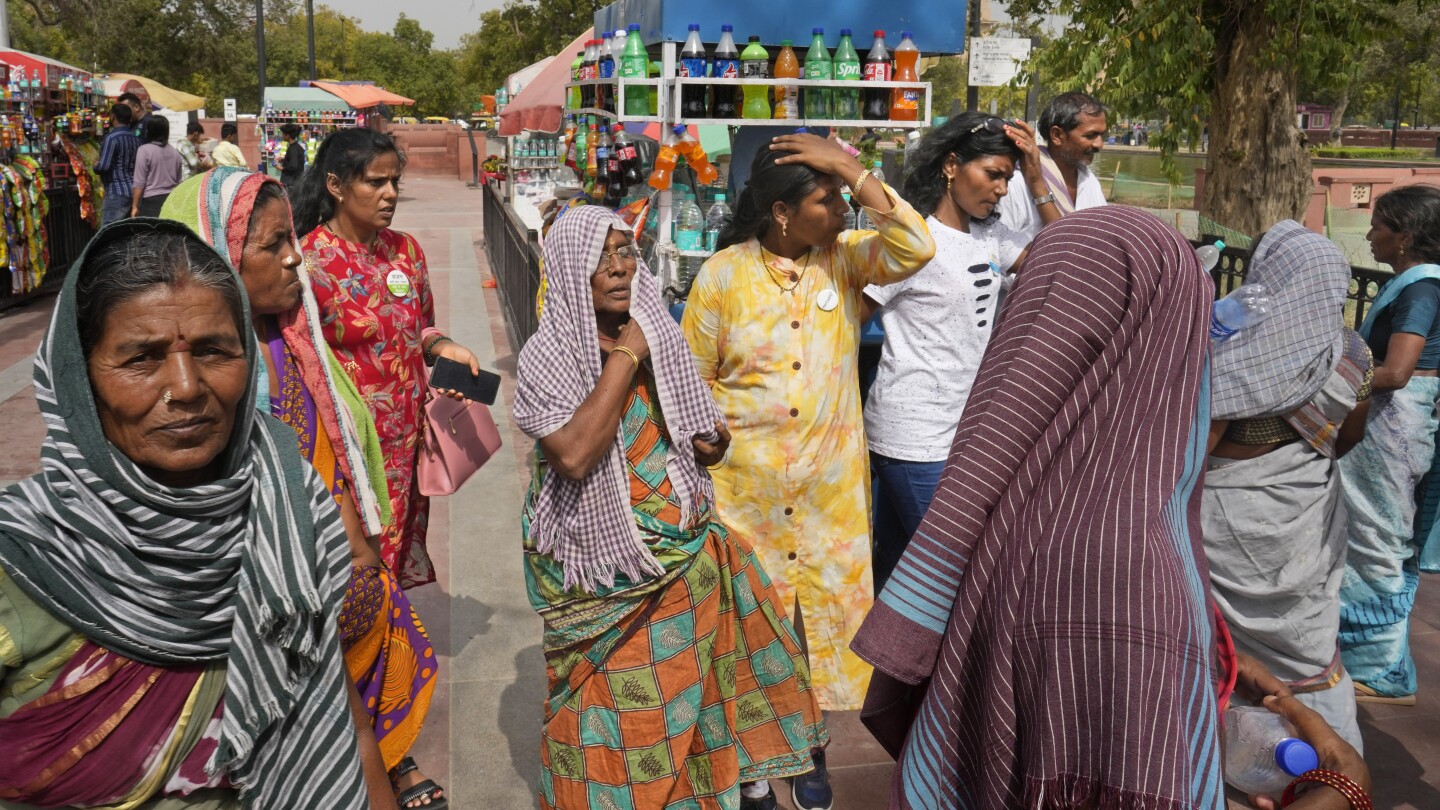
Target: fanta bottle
point(905, 101)
point(787, 66)
point(660, 177)
point(694, 154)
point(755, 64)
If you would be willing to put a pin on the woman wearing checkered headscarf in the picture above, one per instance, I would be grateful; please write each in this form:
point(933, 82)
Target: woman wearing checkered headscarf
point(674, 674)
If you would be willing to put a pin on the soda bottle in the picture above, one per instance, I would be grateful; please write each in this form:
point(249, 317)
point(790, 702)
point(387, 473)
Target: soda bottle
point(1262, 752)
point(576, 102)
point(694, 154)
point(624, 149)
point(592, 142)
point(615, 186)
point(715, 221)
point(589, 69)
point(692, 66)
point(661, 176)
point(602, 159)
point(633, 64)
point(725, 66)
point(755, 64)
point(818, 68)
point(570, 135)
point(847, 69)
point(654, 94)
point(1209, 255)
point(605, 68)
point(787, 66)
point(1245, 307)
point(877, 69)
point(905, 101)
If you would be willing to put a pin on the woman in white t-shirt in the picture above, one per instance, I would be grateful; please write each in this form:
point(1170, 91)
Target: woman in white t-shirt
point(938, 321)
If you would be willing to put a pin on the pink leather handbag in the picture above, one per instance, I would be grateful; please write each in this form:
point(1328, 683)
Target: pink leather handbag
point(457, 439)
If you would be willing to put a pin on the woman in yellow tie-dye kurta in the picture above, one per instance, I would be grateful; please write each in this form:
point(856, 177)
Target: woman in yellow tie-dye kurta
point(777, 340)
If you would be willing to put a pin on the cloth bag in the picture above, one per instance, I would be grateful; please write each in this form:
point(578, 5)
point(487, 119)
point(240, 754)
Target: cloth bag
point(458, 438)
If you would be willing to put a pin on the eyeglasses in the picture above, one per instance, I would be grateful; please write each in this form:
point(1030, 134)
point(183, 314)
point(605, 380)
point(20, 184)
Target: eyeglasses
point(626, 256)
point(992, 125)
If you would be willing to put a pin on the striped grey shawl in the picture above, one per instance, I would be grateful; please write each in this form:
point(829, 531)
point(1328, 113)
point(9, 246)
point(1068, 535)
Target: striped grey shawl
point(1282, 362)
point(588, 526)
point(249, 569)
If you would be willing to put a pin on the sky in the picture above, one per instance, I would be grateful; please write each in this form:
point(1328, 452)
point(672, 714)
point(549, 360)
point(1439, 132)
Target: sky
point(448, 20)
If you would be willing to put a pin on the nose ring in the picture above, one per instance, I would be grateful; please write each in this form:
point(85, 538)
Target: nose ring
point(166, 397)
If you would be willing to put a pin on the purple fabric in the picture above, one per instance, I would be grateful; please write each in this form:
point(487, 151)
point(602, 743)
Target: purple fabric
point(131, 707)
point(157, 169)
point(1053, 606)
point(587, 526)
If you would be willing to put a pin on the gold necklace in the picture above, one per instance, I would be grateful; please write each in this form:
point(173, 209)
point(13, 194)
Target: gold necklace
point(795, 278)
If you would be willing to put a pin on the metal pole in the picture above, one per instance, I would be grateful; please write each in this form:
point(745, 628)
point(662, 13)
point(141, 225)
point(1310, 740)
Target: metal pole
point(310, 34)
point(972, 93)
point(1395, 125)
point(260, 48)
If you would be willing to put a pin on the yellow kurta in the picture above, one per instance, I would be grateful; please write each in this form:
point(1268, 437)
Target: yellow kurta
point(796, 482)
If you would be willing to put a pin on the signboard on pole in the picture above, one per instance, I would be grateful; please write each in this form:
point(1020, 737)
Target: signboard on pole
point(229, 109)
point(996, 61)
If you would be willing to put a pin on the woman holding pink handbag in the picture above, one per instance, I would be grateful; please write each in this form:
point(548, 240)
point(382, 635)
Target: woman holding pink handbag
point(387, 653)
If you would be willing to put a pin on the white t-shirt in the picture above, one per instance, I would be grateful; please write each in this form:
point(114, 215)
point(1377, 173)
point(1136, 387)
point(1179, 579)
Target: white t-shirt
point(937, 323)
point(1018, 211)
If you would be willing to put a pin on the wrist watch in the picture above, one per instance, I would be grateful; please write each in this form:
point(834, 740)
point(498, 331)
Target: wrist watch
point(1048, 198)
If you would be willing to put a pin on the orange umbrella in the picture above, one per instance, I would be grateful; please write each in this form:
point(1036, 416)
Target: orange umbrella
point(362, 96)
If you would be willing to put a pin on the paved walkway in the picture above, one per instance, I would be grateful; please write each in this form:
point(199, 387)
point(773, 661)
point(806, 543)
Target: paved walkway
point(482, 739)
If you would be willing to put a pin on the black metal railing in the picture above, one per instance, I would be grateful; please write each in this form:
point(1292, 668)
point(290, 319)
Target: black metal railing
point(1365, 283)
point(514, 254)
point(67, 235)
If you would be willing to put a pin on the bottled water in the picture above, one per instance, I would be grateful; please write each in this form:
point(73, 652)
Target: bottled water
point(715, 221)
point(1245, 307)
point(1262, 753)
point(877, 175)
point(689, 230)
point(1209, 255)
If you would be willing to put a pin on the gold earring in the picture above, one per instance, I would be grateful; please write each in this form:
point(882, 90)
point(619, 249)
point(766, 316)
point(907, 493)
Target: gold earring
point(948, 181)
point(784, 229)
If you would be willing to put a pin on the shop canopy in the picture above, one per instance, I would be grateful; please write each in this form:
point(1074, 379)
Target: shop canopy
point(363, 96)
point(150, 90)
point(516, 82)
point(539, 106)
point(306, 99)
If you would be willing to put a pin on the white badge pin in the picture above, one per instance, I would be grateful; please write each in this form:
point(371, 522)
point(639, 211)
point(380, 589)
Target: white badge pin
point(398, 282)
point(828, 300)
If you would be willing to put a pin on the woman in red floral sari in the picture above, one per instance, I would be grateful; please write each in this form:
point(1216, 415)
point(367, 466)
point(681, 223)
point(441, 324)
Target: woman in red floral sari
point(378, 315)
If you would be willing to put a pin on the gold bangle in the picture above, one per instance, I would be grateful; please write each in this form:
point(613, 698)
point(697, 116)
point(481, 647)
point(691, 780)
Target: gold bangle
point(859, 183)
point(634, 358)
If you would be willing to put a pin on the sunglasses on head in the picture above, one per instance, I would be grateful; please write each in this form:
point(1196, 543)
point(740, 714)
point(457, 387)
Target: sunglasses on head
point(992, 125)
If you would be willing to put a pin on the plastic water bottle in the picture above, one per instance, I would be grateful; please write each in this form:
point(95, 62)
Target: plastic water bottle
point(849, 214)
point(715, 221)
point(1262, 753)
point(877, 175)
point(1245, 307)
point(1209, 255)
point(689, 233)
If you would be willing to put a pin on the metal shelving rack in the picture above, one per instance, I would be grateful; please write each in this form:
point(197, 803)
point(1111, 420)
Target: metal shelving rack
point(667, 115)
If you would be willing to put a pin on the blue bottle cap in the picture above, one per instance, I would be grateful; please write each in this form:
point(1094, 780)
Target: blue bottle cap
point(905, 34)
point(845, 32)
point(817, 30)
point(680, 129)
point(1296, 756)
point(694, 26)
point(801, 130)
point(633, 27)
point(727, 27)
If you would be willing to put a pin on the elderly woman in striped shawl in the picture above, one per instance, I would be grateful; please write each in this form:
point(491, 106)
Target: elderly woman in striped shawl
point(674, 674)
point(170, 581)
point(299, 382)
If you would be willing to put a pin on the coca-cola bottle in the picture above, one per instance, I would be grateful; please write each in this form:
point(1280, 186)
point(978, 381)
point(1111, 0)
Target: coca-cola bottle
point(629, 156)
point(878, 68)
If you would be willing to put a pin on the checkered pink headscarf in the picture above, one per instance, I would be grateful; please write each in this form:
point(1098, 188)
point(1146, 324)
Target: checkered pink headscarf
point(588, 525)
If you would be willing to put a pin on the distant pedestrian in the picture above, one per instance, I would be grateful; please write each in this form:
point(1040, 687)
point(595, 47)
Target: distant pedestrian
point(227, 152)
point(192, 161)
point(141, 112)
point(157, 169)
point(292, 165)
point(116, 165)
point(1071, 132)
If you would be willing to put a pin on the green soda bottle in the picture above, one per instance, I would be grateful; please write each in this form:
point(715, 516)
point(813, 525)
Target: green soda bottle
point(755, 64)
point(847, 69)
point(654, 100)
point(634, 64)
point(574, 92)
point(818, 67)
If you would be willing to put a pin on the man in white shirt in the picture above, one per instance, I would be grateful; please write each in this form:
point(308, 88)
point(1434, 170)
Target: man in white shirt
point(1073, 126)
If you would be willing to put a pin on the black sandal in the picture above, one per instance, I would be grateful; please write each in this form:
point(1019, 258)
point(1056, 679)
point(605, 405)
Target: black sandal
point(423, 790)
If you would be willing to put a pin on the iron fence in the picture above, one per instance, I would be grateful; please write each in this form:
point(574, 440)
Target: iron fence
point(67, 234)
point(1365, 283)
point(514, 254)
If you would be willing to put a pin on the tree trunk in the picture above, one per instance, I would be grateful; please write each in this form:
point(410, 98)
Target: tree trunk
point(1337, 118)
point(1257, 170)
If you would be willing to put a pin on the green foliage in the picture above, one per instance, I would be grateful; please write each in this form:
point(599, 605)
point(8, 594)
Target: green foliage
point(520, 34)
point(1368, 152)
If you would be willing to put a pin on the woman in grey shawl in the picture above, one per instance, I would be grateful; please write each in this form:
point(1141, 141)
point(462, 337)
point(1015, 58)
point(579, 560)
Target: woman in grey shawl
point(170, 580)
point(1288, 398)
point(675, 676)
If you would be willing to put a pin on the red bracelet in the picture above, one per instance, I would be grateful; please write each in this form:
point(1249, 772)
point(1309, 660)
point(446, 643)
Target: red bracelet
point(1348, 788)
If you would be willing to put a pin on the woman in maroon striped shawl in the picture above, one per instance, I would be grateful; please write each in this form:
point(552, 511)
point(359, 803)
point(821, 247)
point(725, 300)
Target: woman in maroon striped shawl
point(1053, 607)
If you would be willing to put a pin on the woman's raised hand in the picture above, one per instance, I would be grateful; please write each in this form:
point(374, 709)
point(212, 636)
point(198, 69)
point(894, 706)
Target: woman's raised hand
point(818, 153)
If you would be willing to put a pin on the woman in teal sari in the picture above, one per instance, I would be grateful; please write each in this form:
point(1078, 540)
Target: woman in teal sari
point(1391, 480)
